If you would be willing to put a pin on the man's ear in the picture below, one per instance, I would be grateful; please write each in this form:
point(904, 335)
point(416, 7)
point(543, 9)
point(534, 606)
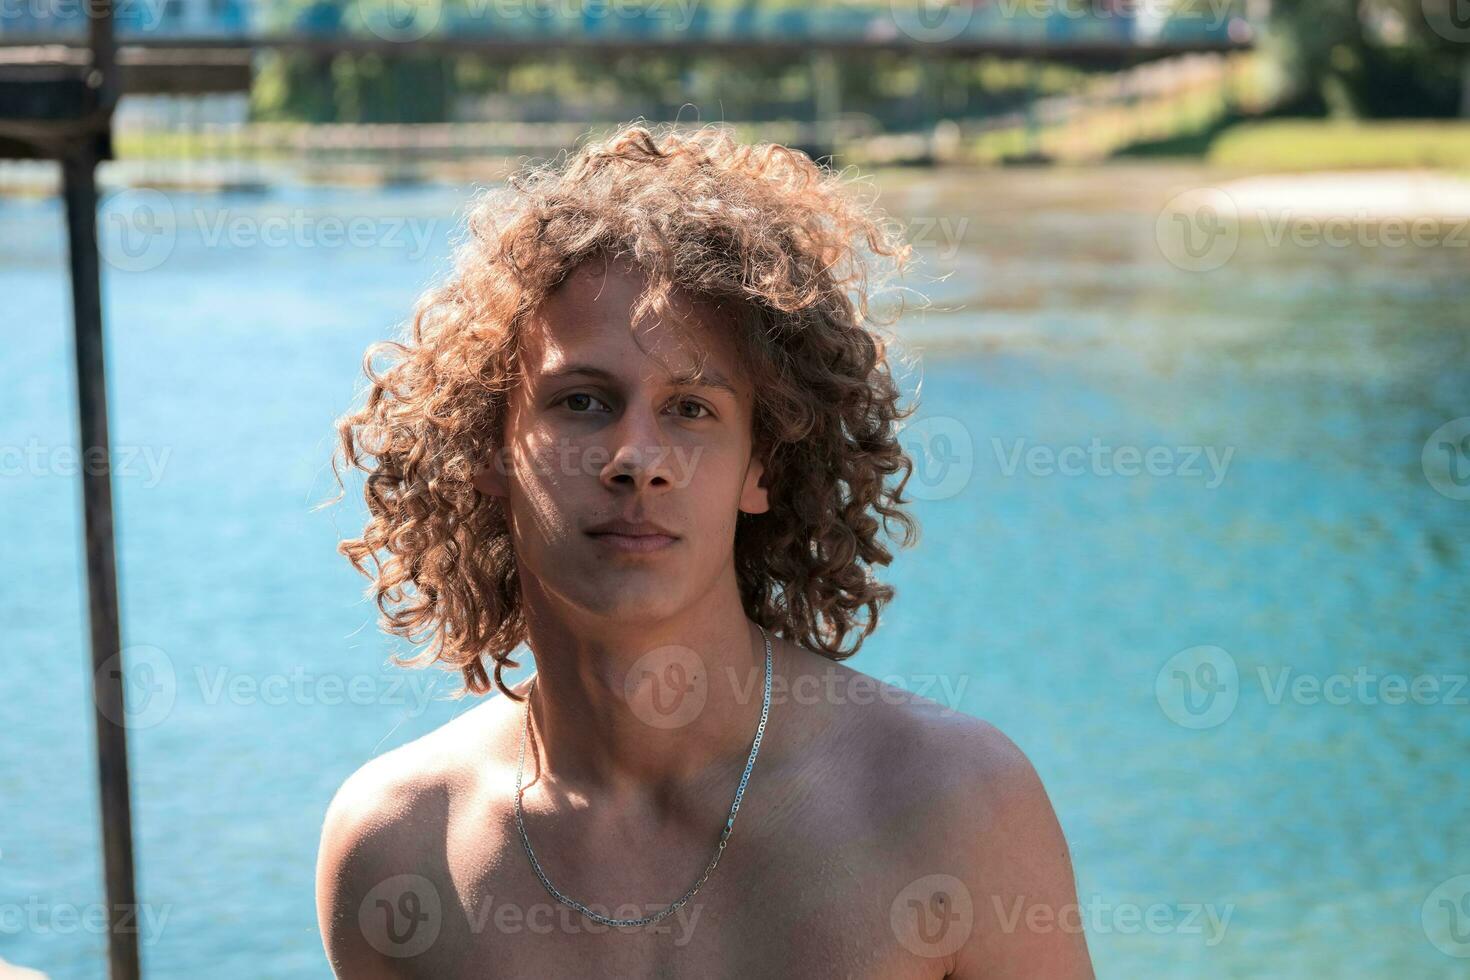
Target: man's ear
point(490, 476)
point(754, 497)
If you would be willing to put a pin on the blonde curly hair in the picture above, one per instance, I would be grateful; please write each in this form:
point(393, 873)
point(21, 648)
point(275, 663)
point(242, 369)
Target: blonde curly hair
point(761, 228)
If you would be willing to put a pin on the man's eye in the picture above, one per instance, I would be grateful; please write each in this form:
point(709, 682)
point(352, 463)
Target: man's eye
point(576, 395)
point(690, 403)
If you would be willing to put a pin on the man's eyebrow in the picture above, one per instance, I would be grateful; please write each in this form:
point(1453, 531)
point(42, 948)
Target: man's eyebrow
point(711, 379)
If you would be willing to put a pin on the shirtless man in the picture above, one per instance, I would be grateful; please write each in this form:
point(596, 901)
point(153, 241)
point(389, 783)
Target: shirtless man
point(643, 491)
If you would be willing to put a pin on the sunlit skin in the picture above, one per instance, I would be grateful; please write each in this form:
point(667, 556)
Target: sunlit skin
point(873, 817)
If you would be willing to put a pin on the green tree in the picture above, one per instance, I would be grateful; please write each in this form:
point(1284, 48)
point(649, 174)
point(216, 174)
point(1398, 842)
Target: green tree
point(1374, 59)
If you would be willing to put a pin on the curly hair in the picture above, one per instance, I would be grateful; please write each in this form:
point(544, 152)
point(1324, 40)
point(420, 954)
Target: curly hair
point(760, 228)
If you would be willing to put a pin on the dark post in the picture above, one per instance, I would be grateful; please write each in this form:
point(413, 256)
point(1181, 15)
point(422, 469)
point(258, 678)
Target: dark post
point(79, 180)
point(80, 188)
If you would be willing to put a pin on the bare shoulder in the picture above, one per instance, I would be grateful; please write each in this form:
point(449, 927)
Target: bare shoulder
point(961, 764)
point(386, 827)
point(968, 816)
point(934, 744)
point(393, 797)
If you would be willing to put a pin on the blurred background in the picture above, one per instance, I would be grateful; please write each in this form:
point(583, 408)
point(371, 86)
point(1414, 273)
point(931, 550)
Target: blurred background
point(1193, 442)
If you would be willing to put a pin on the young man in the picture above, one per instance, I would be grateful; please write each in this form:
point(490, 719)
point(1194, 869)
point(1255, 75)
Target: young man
point(646, 428)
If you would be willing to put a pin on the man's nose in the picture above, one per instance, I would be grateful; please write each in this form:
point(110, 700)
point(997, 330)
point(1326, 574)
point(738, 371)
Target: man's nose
point(639, 454)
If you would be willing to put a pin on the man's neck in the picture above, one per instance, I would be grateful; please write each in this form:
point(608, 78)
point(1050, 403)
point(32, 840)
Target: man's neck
point(647, 707)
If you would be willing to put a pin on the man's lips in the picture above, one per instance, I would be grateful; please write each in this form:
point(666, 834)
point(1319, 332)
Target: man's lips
point(635, 543)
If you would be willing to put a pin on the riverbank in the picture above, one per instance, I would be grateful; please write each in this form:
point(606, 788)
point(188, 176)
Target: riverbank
point(1316, 145)
point(1315, 167)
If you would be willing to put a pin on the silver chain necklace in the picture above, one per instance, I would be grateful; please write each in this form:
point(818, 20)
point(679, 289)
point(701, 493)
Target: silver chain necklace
point(724, 834)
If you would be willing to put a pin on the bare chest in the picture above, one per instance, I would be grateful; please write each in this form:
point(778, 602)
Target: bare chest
point(779, 904)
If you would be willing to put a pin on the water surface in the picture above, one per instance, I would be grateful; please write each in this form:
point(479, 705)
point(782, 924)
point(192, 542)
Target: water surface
point(1047, 597)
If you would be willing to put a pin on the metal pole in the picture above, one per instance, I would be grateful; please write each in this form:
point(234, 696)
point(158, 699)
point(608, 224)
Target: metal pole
point(80, 189)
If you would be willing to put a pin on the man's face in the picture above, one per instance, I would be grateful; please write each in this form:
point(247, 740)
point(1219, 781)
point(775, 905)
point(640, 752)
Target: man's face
point(601, 430)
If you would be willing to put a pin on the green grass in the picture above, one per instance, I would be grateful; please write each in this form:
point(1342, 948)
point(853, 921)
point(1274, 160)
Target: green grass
point(1324, 145)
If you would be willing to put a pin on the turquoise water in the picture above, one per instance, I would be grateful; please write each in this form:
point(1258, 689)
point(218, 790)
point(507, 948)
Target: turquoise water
point(1217, 829)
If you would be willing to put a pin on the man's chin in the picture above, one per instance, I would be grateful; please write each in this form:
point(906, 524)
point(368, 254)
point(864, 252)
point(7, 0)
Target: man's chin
point(631, 610)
